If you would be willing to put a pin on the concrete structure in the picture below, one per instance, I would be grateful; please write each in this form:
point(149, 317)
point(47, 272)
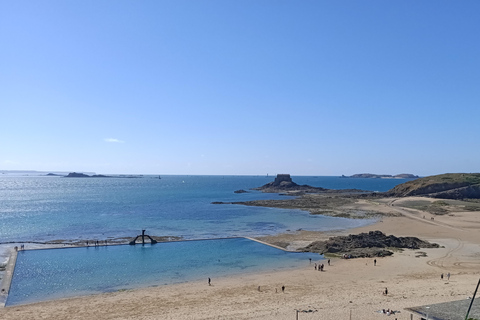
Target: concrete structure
point(143, 235)
point(454, 310)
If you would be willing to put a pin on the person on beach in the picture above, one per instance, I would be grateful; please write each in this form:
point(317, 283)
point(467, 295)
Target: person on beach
point(209, 281)
point(441, 276)
point(374, 262)
point(310, 260)
point(448, 276)
point(328, 261)
point(283, 289)
point(315, 267)
point(385, 292)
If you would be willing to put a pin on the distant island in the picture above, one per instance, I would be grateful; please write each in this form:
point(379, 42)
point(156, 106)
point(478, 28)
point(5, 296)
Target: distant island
point(83, 175)
point(382, 176)
point(284, 183)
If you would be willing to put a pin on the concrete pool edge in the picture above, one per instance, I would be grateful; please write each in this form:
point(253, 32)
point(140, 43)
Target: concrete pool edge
point(7, 278)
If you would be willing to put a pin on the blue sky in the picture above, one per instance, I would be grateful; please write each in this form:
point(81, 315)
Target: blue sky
point(240, 87)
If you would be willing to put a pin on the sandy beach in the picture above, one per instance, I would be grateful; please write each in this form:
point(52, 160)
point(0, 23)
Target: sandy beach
point(347, 289)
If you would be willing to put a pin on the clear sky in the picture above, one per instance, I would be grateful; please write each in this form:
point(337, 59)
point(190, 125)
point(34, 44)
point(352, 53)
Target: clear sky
point(225, 87)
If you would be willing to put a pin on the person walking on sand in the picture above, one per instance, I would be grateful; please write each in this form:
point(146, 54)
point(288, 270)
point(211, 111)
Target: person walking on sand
point(209, 281)
point(448, 276)
point(441, 276)
point(283, 289)
point(328, 261)
point(374, 262)
point(385, 292)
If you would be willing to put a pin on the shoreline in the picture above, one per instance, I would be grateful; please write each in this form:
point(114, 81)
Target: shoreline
point(353, 285)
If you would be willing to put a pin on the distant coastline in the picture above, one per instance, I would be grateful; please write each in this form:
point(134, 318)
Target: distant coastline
point(382, 176)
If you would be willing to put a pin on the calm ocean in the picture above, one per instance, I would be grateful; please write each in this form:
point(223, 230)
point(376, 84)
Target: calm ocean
point(49, 208)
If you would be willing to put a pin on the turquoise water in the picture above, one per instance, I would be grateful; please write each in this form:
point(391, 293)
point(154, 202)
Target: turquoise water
point(41, 275)
point(49, 208)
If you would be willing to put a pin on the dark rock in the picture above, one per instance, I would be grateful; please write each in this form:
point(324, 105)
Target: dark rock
point(240, 191)
point(283, 182)
point(372, 244)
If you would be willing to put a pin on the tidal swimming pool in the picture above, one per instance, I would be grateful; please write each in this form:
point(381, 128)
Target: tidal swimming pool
point(49, 274)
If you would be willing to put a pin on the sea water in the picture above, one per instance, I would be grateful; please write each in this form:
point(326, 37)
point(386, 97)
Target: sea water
point(58, 273)
point(59, 208)
point(39, 209)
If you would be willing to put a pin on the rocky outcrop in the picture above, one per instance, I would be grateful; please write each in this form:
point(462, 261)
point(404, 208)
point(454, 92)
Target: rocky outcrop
point(448, 186)
point(468, 192)
point(240, 191)
point(372, 244)
point(284, 183)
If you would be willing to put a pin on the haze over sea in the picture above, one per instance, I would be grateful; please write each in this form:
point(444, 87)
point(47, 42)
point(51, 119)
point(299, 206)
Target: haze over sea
point(40, 208)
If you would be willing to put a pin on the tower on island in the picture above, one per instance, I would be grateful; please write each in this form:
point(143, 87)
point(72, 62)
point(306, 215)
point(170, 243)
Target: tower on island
point(282, 177)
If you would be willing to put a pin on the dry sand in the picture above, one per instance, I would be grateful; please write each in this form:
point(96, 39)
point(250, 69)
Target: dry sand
point(348, 289)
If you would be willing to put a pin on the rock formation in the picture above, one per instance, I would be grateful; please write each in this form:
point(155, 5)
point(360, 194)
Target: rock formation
point(283, 182)
point(372, 244)
point(446, 186)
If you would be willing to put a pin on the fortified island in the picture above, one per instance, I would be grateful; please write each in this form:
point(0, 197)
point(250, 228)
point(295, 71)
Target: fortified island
point(342, 203)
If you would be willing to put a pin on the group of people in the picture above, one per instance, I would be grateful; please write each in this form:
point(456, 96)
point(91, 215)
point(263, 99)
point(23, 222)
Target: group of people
point(388, 312)
point(96, 243)
point(448, 276)
point(22, 247)
point(319, 267)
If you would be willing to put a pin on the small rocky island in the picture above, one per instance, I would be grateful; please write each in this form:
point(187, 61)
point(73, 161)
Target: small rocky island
point(83, 175)
point(372, 244)
point(283, 182)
